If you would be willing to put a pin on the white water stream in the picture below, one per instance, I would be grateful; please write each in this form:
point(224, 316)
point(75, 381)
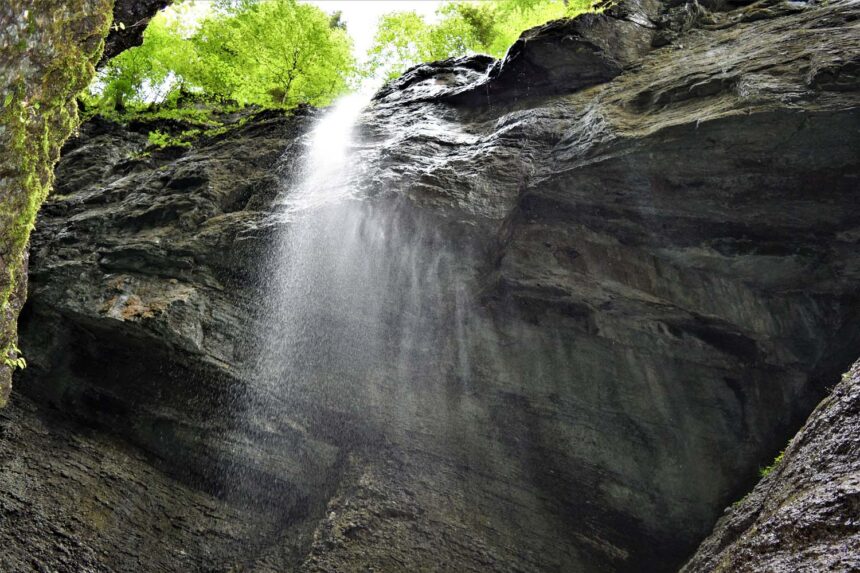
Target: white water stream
point(359, 289)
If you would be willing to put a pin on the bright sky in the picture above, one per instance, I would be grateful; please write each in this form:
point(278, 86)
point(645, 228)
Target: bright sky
point(360, 16)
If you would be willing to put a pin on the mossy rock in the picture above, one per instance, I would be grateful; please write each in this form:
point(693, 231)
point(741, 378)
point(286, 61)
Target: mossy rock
point(47, 56)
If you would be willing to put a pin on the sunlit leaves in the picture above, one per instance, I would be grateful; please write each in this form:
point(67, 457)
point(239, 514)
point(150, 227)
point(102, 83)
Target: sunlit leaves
point(404, 39)
point(283, 53)
point(272, 53)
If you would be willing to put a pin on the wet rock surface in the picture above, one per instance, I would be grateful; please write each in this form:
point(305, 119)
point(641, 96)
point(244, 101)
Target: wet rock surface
point(802, 516)
point(48, 50)
point(76, 500)
point(663, 260)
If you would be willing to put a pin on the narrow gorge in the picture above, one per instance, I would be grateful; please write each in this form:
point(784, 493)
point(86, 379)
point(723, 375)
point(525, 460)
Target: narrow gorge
point(553, 312)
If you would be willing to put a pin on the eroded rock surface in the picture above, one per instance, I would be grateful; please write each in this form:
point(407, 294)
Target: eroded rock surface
point(79, 500)
point(47, 52)
point(661, 264)
point(48, 49)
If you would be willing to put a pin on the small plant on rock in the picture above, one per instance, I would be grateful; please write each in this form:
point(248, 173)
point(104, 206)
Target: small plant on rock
point(15, 360)
point(764, 472)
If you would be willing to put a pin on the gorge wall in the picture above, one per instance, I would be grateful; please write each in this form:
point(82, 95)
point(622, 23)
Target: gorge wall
point(651, 216)
point(48, 49)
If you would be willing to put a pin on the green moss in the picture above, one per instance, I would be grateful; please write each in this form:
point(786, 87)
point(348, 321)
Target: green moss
point(764, 472)
point(162, 140)
point(53, 59)
point(185, 138)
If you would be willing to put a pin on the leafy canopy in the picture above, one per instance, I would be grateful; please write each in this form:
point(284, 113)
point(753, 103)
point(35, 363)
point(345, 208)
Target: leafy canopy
point(272, 53)
point(281, 53)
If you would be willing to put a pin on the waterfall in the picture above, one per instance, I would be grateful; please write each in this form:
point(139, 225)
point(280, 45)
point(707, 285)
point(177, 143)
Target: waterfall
point(363, 292)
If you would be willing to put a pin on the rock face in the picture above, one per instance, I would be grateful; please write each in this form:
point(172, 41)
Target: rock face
point(79, 500)
point(47, 52)
point(659, 253)
point(129, 21)
point(803, 515)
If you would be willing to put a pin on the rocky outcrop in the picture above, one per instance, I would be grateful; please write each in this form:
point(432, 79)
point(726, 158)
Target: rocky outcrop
point(659, 263)
point(562, 56)
point(47, 52)
point(129, 21)
point(803, 516)
point(176, 284)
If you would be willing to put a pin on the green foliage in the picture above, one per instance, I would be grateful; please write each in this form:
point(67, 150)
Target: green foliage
point(13, 359)
point(282, 53)
point(764, 472)
point(274, 53)
point(46, 61)
point(161, 140)
point(185, 138)
point(404, 39)
point(174, 111)
point(144, 72)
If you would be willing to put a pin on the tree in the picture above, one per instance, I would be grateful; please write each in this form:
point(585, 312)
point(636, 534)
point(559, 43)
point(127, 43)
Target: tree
point(138, 74)
point(272, 53)
point(404, 39)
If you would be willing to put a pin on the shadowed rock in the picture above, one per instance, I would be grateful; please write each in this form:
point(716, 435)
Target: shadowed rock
point(129, 22)
point(568, 55)
point(48, 49)
point(559, 57)
point(802, 516)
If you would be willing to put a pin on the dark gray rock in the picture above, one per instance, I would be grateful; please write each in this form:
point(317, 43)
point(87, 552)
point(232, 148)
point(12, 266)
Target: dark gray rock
point(559, 57)
point(130, 19)
point(80, 500)
point(429, 82)
point(803, 515)
point(566, 55)
point(663, 266)
point(169, 293)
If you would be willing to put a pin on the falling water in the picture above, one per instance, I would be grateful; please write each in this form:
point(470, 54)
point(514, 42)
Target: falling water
point(362, 290)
